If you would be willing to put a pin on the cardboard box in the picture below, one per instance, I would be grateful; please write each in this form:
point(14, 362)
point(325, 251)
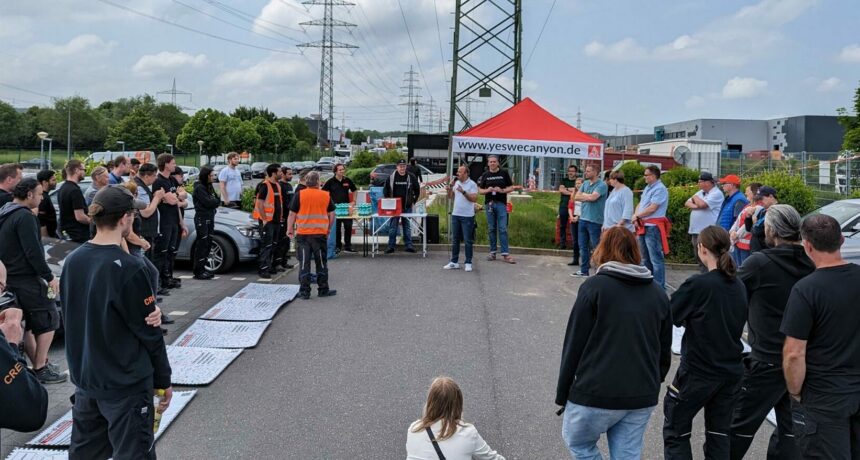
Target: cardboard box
point(390, 207)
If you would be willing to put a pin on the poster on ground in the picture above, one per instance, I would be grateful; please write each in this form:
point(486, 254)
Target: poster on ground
point(222, 334)
point(59, 434)
point(274, 292)
point(239, 309)
point(27, 453)
point(199, 366)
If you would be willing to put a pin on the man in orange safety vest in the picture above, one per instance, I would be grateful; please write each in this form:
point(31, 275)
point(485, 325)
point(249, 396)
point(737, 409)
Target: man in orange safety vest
point(310, 220)
point(268, 211)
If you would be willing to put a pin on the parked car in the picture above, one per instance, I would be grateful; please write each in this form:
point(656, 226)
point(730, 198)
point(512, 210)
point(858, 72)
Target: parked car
point(381, 173)
point(189, 174)
point(37, 164)
point(236, 237)
point(325, 164)
point(258, 169)
point(846, 212)
point(245, 170)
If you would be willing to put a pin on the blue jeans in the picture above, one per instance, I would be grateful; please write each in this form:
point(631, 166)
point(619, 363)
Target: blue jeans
point(651, 247)
point(461, 230)
point(624, 430)
point(497, 220)
point(739, 256)
point(392, 230)
point(589, 237)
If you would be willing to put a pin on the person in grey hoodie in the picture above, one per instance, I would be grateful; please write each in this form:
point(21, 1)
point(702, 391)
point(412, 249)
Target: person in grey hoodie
point(616, 352)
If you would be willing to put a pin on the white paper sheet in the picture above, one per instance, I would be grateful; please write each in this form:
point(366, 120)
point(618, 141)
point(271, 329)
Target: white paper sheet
point(238, 309)
point(26, 453)
point(282, 293)
point(222, 334)
point(199, 366)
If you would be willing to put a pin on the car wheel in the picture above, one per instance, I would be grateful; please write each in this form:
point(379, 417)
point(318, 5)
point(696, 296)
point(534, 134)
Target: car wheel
point(222, 257)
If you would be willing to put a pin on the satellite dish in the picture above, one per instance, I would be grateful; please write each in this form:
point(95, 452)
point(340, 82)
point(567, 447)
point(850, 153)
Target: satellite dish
point(682, 155)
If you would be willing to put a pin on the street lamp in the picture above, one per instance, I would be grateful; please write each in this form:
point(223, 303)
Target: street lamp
point(200, 152)
point(170, 146)
point(276, 152)
point(42, 136)
point(122, 143)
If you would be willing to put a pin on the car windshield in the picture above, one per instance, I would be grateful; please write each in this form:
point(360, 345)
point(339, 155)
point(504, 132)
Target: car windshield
point(842, 211)
point(260, 165)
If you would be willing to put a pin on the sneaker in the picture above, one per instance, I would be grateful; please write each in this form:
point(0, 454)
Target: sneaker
point(46, 375)
point(349, 250)
point(327, 293)
point(468, 267)
point(52, 367)
point(264, 275)
point(509, 259)
point(410, 249)
point(166, 319)
point(176, 280)
point(579, 275)
point(203, 276)
point(304, 295)
point(451, 266)
point(491, 257)
point(288, 266)
point(389, 251)
point(163, 292)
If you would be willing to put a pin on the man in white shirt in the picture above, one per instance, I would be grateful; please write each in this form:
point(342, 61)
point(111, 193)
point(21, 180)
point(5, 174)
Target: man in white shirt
point(705, 206)
point(230, 182)
point(464, 191)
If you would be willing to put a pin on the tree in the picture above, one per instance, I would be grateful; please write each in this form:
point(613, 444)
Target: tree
point(357, 137)
point(851, 141)
point(244, 136)
point(210, 126)
point(31, 122)
point(301, 130)
point(10, 125)
point(269, 134)
point(171, 120)
point(88, 128)
point(286, 134)
point(139, 131)
point(301, 152)
point(249, 113)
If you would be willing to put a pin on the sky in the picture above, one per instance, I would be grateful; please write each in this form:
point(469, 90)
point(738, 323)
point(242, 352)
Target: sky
point(626, 65)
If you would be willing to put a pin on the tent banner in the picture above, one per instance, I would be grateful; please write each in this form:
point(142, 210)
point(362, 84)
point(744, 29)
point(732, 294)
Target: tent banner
point(525, 147)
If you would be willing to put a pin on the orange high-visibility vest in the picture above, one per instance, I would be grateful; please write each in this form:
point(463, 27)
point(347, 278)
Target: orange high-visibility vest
point(312, 218)
point(268, 205)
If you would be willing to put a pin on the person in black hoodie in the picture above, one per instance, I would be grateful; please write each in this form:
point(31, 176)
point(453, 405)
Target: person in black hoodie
point(205, 205)
point(769, 275)
point(23, 400)
point(29, 276)
point(403, 185)
point(712, 308)
point(616, 352)
point(116, 360)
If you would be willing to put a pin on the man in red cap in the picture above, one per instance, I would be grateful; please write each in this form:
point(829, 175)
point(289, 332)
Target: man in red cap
point(734, 203)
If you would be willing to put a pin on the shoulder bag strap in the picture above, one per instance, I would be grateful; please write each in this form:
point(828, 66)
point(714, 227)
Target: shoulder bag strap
point(435, 444)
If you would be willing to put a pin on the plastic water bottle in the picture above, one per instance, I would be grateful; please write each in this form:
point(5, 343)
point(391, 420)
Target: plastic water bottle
point(159, 397)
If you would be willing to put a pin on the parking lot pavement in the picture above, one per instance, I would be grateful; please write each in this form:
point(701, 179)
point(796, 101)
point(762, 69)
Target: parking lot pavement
point(184, 305)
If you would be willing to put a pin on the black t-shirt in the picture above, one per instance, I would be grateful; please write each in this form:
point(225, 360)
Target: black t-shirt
point(169, 212)
point(823, 310)
point(286, 196)
point(296, 204)
point(5, 197)
point(339, 189)
point(569, 184)
point(262, 193)
point(48, 215)
point(70, 198)
point(500, 179)
point(713, 309)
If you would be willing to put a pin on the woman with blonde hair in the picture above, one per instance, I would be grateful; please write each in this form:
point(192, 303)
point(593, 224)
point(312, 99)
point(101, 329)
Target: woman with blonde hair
point(616, 352)
point(441, 433)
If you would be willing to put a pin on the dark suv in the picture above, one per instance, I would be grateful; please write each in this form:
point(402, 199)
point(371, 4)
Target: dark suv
point(380, 174)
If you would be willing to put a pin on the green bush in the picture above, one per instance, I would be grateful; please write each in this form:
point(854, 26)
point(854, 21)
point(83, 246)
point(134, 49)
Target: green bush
point(856, 194)
point(633, 171)
point(248, 200)
point(391, 156)
point(679, 239)
point(639, 185)
point(361, 176)
point(364, 159)
point(790, 189)
point(680, 175)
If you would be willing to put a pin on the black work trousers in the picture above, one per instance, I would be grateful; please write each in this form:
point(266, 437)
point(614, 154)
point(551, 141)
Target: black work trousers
point(270, 236)
point(121, 428)
point(344, 234)
point(312, 247)
point(563, 219)
point(282, 248)
point(203, 228)
point(165, 251)
point(688, 394)
point(827, 426)
point(763, 388)
point(574, 235)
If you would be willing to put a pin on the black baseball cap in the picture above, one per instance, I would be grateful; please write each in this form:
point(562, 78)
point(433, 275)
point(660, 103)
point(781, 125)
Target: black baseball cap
point(704, 175)
point(767, 191)
point(401, 161)
point(178, 170)
point(114, 200)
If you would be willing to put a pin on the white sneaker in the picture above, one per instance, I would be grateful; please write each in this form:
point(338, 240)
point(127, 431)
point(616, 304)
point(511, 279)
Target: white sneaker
point(451, 266)
point(468, 267)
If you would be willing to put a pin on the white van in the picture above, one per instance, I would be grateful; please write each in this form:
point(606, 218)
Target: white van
point(144, 156)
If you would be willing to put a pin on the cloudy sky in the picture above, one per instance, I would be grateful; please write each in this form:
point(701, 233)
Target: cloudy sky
point(626, 64)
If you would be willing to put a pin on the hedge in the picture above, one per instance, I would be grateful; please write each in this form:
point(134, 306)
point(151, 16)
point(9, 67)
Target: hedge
point(361, 176)
point(790, 189)
point(364, 159)
point(681, 175)
point(679, 239)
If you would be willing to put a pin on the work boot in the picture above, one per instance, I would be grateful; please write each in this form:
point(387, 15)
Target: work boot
point(326, 292)
point(46, 376)
point(166, 319)
point(304, 295)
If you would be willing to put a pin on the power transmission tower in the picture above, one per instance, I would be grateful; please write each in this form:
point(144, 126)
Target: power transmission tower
point(173, 92)
point(412, 89)
point(430, 114)
point(327, 45)
point(482, 34)
point(467, 102)
point(578, 119)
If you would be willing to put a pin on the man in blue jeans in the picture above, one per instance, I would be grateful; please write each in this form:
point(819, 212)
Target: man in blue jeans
point(464, 191)
point(652, 210)
point(403, 185)
point(592, 194)
point(495, 184)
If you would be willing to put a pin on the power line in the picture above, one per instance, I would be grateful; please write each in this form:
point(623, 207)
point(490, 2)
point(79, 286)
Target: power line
point(251, 18)
point(441, 53)
point(189, 29)
point(18, 88)
point(540, 34)
point(205, 13)
point(409, 34)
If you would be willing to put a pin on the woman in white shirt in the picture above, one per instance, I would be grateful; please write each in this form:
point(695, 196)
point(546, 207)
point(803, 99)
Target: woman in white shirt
point(441, 433)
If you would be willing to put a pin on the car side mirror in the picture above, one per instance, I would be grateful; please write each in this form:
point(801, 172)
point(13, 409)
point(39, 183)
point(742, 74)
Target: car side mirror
point(856, 227)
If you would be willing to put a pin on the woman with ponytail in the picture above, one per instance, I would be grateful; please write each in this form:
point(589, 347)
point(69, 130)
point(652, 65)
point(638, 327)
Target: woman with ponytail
point(713, 308)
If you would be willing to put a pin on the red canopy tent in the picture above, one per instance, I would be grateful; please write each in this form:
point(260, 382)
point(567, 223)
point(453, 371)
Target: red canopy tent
point(527, 129)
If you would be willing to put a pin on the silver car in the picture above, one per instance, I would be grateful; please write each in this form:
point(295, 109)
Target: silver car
point(847, 213)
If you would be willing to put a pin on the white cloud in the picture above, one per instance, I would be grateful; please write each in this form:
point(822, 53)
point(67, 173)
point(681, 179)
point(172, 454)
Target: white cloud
point(273, 70)
point(729, 41)
point(743, 88)
point(87, 45)
point(850, 53)
point(829, 84)
point(166, 62)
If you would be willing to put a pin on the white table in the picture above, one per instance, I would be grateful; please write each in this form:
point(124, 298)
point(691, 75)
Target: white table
point(416, 220)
